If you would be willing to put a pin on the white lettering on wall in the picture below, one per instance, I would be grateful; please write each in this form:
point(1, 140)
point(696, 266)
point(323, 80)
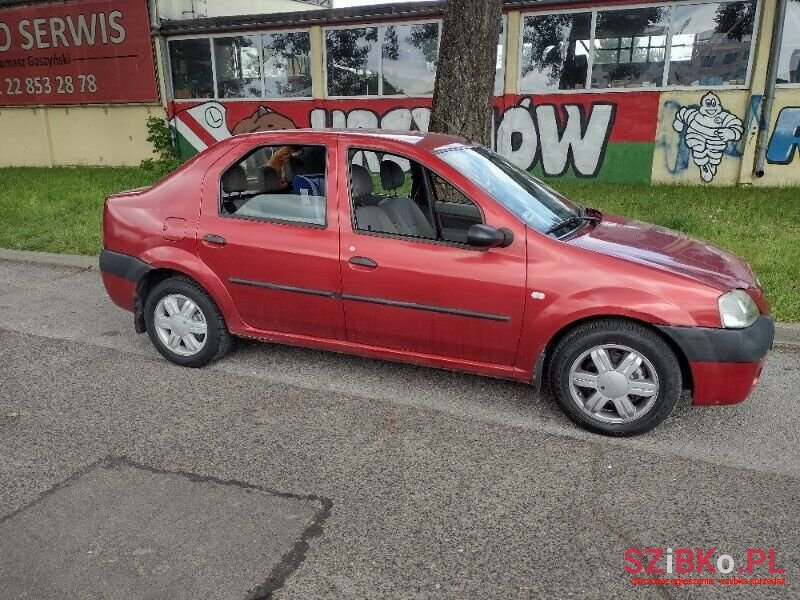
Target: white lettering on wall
point(5, 36)
point(581, 141)
point(65, 32)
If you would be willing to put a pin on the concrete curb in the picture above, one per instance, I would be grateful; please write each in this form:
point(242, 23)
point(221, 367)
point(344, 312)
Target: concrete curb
point(49, 259)
point(786, 334)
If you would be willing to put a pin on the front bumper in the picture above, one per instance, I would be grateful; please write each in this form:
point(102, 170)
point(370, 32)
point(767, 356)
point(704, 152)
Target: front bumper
point(725, 363)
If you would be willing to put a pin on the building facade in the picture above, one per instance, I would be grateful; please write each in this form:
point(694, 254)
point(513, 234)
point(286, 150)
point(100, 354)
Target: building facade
point(615, 91)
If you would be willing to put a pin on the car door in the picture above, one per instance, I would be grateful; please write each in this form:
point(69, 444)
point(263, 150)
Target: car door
point(425, 295)
point(274, 240)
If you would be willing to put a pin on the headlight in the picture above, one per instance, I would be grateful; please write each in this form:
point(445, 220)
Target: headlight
point(737, 310)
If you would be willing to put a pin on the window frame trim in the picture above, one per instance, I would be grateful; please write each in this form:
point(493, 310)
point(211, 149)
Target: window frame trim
point(348, 147)
point(253, 150)
point(663, 87)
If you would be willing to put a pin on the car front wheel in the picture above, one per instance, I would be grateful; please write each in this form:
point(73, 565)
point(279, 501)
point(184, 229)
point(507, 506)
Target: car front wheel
point(184, 323)
point(615, 377)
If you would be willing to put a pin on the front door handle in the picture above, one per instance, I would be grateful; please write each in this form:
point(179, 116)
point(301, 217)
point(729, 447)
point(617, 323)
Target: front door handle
point(362, 261)
point(214, 239)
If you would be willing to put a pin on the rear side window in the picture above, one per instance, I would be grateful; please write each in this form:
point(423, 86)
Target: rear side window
point(394, 195)
point(284, 184)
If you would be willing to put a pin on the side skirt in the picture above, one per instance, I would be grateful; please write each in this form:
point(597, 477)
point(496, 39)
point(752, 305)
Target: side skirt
point(418, 358)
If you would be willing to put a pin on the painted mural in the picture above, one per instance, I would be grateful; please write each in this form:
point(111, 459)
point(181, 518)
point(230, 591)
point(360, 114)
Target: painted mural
point(706, 130)
point(784, 143)
point(604, 136)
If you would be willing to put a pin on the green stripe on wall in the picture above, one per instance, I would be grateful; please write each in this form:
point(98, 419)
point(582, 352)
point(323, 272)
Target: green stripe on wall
point(185, 149)
point(624, 162)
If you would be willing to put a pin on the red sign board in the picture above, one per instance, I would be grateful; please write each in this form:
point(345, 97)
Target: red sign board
point(88, 52)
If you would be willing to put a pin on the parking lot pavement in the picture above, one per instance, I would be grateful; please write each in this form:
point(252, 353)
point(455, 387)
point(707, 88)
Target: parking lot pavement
point(440, 484)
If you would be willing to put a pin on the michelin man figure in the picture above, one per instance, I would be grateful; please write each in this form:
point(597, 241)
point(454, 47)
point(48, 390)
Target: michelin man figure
point(707, 131)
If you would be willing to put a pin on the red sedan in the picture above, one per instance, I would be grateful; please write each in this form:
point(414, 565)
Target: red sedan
point(429, 249)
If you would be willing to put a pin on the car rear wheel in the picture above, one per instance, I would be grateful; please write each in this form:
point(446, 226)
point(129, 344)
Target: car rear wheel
point(184, 323)
point(615, 377)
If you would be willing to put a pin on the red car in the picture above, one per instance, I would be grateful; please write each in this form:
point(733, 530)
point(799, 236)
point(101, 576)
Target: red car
point(430, 249)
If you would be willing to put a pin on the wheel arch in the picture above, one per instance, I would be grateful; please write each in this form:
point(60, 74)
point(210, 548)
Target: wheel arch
point(542, 366)
point(192, 269)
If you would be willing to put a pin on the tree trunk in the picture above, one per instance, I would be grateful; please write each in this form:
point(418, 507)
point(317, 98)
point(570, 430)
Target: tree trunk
point(464, 90)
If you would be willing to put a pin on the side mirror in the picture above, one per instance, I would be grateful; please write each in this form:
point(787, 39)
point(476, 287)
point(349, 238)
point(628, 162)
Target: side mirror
point(486, 236)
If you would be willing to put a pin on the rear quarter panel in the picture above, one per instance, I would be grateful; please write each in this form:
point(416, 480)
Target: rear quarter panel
point(134, 224)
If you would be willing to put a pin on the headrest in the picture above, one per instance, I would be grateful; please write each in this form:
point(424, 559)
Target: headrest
point(360, 181)
point(235, 180)
point(293, 166)
point(392, 176)
point(314, 158)
point(271, 180)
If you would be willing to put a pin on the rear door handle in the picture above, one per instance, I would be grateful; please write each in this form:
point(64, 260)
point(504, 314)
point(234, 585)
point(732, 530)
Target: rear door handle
point(362, 261)
point(214, 239)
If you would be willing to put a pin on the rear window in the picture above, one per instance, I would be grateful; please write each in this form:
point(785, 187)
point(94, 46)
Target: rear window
point(282, 183)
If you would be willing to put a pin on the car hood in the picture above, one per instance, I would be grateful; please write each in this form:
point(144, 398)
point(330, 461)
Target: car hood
point(665, 249)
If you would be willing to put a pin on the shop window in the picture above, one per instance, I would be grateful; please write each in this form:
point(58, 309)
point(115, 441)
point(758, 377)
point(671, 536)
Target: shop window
point(500, 68)
point(714, 35)
point(555, 52)
point(629, 47)
point(238, 67)
point(190, 65)
point(353, 61)
point(287, 64)
point(789, 62)
point(410, 54)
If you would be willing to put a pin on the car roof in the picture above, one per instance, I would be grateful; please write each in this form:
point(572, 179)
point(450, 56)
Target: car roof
point(428, 141)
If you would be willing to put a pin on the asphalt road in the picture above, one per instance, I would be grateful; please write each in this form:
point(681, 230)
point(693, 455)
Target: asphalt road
point(432, 484)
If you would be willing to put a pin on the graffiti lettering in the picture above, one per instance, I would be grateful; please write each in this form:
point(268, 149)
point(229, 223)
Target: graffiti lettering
point(785, 137)
point(579, 142)
point(556, 137)
point(529, 137)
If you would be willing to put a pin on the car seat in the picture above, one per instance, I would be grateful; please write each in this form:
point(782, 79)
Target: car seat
point(234, 185)
point(407, 217)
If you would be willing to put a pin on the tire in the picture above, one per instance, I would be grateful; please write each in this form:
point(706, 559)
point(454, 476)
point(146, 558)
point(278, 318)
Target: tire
point(203, 348)
point(633, 359)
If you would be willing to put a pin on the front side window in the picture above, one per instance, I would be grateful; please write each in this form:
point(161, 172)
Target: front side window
point(555, 52)
point(410, 54)
point(406, 199)
point(238, 63)
point(190, 65)
point(789, 62)
point(353, 61)
point(711, 43)
point(532, 201)
point(629, 47)
point(277, 183)
point(287, 64)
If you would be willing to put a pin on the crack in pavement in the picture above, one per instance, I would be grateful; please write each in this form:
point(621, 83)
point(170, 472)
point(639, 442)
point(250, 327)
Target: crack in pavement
point(290, 561)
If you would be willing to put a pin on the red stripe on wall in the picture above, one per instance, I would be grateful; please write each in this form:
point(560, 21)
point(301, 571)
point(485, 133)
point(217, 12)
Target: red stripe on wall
point(635, 120)
point(636, 116)
point(197, 129)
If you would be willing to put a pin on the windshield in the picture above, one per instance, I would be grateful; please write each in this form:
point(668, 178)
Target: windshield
point(534, 202)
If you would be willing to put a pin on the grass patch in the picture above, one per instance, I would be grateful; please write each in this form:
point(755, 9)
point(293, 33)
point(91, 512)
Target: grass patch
point(60, 210)
point(762, 225)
